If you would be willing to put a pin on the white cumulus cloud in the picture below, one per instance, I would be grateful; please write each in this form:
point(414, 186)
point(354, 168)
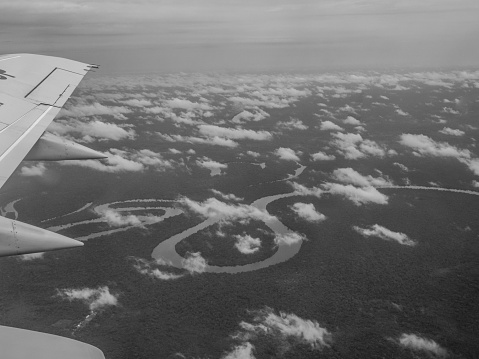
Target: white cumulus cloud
point(386, 234)
point(116, 219)
point(95, 298)
point(286, 154)
point(321, 156)
point(94, 109)
point(36, 170)
point(234, 133)
point(212, 141)
point(348, 175)
point(289, 329)
point(350, 120)
point(88, 131)
point(188, 105)
point(247, 244)
point(330, 126)
point(124, 161)
point(152, 269)
point(426, 146)
point(308, 212)
point(357, 195)
point(452, 132)
point(417, 343)
point(227, 197)
point(288, 238)
point(214, 167)
point(352, 146)
point(215, 209)
point(31, 256)
point(241, 351)
point(194, 263)
point(305, 191)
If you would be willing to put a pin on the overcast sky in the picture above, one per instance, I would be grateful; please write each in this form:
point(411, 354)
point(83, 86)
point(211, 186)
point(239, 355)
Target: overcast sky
point(245, 35)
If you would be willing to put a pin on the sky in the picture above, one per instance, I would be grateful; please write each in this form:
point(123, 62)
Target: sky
point(144, 36)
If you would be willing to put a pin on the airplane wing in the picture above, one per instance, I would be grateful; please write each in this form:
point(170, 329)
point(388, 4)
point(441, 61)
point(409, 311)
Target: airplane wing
point(33, 89)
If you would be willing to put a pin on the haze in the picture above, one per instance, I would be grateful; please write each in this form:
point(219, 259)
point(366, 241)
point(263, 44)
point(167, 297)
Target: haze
point(246, 35)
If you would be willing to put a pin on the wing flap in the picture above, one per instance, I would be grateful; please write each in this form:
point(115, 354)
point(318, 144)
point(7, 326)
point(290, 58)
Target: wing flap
point(56, 88)
point(21, 73)
point(11, 109)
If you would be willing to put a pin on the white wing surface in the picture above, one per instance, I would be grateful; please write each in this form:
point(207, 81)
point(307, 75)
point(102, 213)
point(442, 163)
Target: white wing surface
point(33, 89)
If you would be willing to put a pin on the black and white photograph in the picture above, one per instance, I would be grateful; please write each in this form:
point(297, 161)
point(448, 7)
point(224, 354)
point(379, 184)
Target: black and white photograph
point(238, 179)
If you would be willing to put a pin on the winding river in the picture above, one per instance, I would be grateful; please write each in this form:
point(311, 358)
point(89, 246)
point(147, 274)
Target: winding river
point(166, 249)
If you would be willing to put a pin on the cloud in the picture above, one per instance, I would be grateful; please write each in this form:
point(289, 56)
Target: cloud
point(137, 102)
point(116, 219)
point(359, 196)
point(386, 234)
point(308, 212)
point(233, 133)
point(151, 269)
point(249, 116)
point(352, 146)
point(350, 120)
point(253, 154)
point(269, 97)
point(348, 175)
point(227, 197)
point(414, 342)
point(194, 263)
point(215, 209)
point(94, 109)
point(216, 141)
point(450, 111)
point(401, 112)
point(426, 146)
point(288, 238)
point(288, 329)
point(321, 156)
point(36, 170)
point(31, 256)
point(96, 299)
point(401, 166)
point(452, 132)
point(114, 163)
point(293, 124)
point(286, 154)
point(241, 351)
point(330, 126)
point(247, 244)
point(188, 105)
point(89, 131)
point(124, 161)
point(305, 191)
point(213, 166)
